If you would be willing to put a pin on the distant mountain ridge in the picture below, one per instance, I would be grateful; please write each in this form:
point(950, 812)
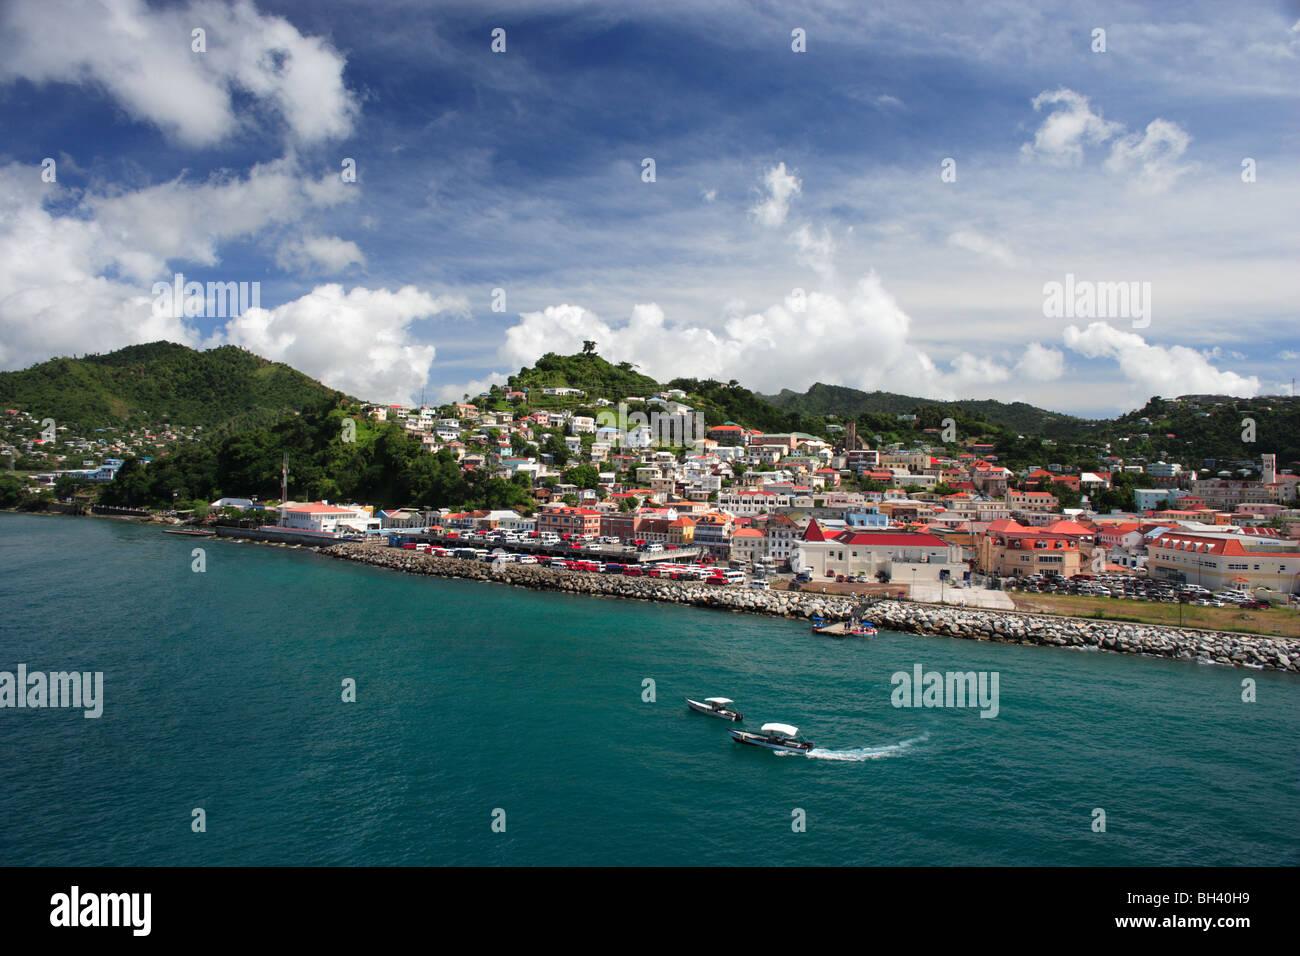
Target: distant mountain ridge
point(846, 403)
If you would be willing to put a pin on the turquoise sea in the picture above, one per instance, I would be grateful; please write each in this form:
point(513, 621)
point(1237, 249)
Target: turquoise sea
point(223, 691)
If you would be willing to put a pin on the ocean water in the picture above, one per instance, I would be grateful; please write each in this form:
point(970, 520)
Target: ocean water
point(475, 702)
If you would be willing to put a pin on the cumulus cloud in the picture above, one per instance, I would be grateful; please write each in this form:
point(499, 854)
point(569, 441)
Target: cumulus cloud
point(142, 57)
point(1154, 369)
point(329, 252)
point(781, 187)
point(791, 344)
point(1069, 125)
point(81, 281)
point(359, 342)
point(1040, 363)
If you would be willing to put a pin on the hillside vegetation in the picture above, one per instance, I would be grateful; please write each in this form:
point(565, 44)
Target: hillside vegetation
point(224, 388)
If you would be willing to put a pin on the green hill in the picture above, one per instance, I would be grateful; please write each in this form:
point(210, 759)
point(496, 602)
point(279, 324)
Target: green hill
point(225, 388)
point(587, 371)
point(847, 403)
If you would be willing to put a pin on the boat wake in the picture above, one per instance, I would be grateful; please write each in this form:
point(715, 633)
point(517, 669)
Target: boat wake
point(864, 753)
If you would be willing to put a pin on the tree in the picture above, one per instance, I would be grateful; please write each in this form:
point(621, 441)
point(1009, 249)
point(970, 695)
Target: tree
point(584, 476)
point(556, 448)
point(588, 347)
point(67, 486)
point(11, 490)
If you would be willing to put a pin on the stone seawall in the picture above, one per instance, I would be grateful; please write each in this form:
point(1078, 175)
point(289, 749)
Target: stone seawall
point(1218, 647)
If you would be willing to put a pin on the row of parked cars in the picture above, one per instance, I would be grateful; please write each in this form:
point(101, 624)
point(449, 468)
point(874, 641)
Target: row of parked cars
point(1134, 588)
point(551, 539)
point(674, 572)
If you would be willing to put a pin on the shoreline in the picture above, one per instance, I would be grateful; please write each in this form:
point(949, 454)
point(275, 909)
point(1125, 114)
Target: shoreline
point(1010, 627)
point(1230, 648)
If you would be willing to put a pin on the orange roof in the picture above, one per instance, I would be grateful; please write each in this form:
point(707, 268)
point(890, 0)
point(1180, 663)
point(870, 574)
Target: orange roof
point(319, 508)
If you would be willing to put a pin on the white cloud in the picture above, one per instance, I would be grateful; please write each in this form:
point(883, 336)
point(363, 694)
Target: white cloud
point(817, 252)
point(781, 187)
point(1154, 153)
point(1040, 363)
point(784, 346)
point(142, 57)
point(442, 394)
point(981, 245)
point(1167, 371)
point(81, 282)
point(708, 195)
point(329, 252)
point(1061, 137)
point(359, 342)
point(180, 220)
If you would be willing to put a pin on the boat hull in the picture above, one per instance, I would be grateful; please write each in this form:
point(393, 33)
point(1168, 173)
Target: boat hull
point(708, 711)
point(757, 740)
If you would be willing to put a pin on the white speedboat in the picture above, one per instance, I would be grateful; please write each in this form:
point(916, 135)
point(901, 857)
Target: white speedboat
point(774, 737)
point(716, 707)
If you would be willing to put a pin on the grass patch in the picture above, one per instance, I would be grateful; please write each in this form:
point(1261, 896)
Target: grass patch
point(1275, 622)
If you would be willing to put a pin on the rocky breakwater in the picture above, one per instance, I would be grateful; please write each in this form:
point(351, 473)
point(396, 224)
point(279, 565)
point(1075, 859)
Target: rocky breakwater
point(1218, 647)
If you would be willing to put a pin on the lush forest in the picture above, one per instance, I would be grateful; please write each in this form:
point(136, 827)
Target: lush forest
point(587, 371)
point(225, 388)
point(383, 466)
point(847, 403)
point(1210, 427)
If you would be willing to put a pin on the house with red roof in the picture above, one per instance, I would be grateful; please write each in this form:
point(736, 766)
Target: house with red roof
point(1226, 561)
point(569, 520)
point(1034, 501)
point(898, 554)
point(1010, 549)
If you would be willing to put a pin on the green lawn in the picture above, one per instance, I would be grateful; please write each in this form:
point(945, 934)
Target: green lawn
point(1275, 621)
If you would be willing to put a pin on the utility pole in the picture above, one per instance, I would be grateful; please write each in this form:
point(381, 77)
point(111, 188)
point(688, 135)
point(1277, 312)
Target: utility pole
point(284, 486)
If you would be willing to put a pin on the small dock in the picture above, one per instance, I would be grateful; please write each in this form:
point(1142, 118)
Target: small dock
point(192, 532)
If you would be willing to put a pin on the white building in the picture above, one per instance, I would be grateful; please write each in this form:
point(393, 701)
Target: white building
point(321, 516)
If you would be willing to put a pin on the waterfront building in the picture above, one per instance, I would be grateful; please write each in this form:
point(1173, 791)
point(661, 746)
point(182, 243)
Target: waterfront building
point(1224, 561)
point(903, 556)
point(1010, 549)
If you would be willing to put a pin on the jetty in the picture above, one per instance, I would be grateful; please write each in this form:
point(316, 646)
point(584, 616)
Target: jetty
point(1229, 648)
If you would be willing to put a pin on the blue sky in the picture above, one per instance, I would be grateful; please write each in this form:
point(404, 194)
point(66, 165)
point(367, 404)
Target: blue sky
point(797, 230)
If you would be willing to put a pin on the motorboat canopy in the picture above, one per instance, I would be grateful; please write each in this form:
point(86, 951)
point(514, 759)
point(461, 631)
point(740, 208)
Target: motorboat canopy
point(784, 730)
point(720, 701)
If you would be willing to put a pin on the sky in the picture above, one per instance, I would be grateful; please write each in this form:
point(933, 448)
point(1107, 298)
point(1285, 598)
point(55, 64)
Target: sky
point(940, 199)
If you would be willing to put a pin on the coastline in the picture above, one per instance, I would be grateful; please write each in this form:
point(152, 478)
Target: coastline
point(1012, 627)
